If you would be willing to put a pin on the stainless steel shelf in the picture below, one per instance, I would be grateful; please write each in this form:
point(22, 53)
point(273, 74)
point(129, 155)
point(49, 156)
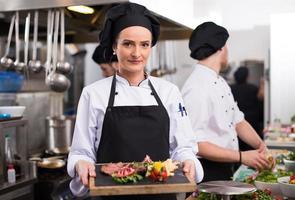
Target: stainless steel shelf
point(17, 5)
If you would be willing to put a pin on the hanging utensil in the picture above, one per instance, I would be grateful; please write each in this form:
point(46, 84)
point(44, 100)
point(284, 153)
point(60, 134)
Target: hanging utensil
point(20, 66)
point(27, 38)
point(62, 66)
point(57, 82)
point(50, 20)
point(34, 64)
point(17, 64)
point(5, 60)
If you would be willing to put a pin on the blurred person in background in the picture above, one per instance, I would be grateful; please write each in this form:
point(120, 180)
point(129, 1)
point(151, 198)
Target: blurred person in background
point(215, 117)
point(108, 63)
point(250, 101)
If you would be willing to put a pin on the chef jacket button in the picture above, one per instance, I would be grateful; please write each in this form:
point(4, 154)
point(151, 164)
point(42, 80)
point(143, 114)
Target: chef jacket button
point(232, 108)
point(232, 123)
point(233, 139)
point(116, 93)
point(225, 110)
point(229, 125)
point(228, 94)
point(222, 96)
point(152, 93)
point(215, 82)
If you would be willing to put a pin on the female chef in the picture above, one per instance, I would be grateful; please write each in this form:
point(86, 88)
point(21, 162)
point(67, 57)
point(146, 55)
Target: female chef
point(131, 114)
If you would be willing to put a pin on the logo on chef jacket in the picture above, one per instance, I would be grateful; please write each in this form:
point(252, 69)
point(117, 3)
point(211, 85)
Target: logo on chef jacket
point(181, 110)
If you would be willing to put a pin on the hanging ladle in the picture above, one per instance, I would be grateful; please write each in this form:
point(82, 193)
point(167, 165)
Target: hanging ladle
point(34, 64)
point(47, 64)
point(62, 66)
point(20, 66)
point(5, 60)
point(57, 82)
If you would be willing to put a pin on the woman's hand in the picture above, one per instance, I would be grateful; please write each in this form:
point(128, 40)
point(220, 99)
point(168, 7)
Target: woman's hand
point(189, 169)
point(84, 170)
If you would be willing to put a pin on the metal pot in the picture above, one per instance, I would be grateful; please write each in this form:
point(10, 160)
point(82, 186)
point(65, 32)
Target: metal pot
point(59, 133)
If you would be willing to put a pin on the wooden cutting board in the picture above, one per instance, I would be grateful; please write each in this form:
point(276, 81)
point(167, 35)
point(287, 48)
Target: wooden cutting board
point(103, 185)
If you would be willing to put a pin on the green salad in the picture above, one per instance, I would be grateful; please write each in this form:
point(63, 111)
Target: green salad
point(271, 177)
point(291, 156)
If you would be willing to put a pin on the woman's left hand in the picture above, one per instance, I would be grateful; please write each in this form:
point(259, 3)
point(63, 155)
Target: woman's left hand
point(189, 169)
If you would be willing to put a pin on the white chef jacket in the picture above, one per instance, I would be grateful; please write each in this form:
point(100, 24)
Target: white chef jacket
point(211, 108)
point(91, 110)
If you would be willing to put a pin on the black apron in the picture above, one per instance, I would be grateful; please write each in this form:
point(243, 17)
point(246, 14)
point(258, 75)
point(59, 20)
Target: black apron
point(129, 133)
point(215, 171)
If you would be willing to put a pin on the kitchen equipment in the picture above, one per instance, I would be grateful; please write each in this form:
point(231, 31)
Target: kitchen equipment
point(226, 188)
point(10, 81)
point(62, 66)
point(5, 60)
point(13, 111)
point(20, 66)
point(51, 163)
point(26, 39)
point(17, 64)
point(57, 82)
point(290, 165)
point(34, 64)
point(48, 66)
point(59, 132)
point(54, 185)
point(288, 190)
point(273, 187)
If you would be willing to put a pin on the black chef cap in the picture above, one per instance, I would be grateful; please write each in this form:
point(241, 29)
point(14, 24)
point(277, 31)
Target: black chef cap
point(206, 39)
point(99, 56)
point(241, 75)
point(123, 16)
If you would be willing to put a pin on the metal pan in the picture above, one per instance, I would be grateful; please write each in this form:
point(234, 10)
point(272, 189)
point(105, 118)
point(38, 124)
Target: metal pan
point(51, 163)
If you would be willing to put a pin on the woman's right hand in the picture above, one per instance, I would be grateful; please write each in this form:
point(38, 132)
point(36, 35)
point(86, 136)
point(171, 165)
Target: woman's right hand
point(84, 170)
point(256, 159)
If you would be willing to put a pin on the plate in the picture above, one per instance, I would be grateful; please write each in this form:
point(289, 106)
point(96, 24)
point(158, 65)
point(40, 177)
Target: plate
point(103, 185)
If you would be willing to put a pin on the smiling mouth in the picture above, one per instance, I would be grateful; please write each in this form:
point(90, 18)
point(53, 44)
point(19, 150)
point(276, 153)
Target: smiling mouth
point(135, 61)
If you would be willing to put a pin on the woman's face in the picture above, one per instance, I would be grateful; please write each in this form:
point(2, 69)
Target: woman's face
point(133, 47)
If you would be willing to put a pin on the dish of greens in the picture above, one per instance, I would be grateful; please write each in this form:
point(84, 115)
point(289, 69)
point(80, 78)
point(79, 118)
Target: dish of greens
point(271, 177)
point(291, 156)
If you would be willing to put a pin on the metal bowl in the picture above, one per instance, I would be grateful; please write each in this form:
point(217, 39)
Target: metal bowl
point(287, 189)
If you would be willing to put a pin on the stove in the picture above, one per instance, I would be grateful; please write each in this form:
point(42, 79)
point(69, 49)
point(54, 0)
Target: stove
point(53, 185)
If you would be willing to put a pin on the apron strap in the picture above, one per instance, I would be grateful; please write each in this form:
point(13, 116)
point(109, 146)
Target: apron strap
point(155, 94)
point(113, 89)
point(112, 94)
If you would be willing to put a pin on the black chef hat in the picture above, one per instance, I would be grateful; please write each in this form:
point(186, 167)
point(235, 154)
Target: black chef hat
point(99, 56)
point(123, 16)
point(206, 39)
